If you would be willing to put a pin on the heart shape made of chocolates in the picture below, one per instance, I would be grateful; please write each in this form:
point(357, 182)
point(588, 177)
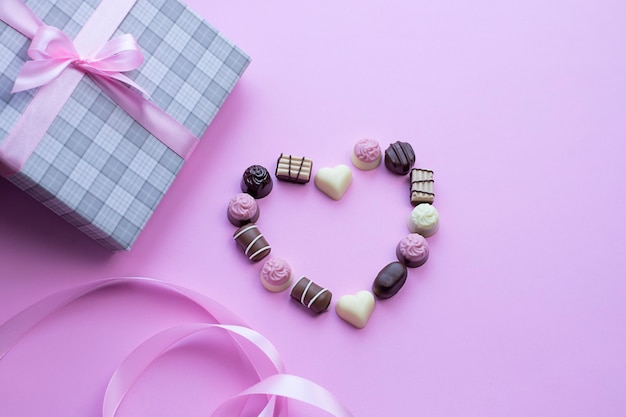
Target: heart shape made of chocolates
point(334, 182)
point(356, 309)
point(276, 274)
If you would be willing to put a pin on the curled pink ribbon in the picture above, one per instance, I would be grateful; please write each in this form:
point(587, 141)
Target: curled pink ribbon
point(274, 384)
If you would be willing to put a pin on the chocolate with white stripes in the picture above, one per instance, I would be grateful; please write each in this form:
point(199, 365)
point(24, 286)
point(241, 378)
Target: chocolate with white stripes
point(311, 295)
point(252, 241)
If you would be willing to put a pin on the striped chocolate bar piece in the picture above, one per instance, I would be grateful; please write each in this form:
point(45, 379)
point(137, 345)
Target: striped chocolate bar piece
point(294, 169)
point(422, 186)
point(311, 295)
point(251, 240)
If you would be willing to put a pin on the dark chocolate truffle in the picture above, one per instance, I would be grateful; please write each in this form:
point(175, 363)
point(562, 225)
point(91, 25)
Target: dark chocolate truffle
point(399, 158)
point(389, 280)
point(256, 181)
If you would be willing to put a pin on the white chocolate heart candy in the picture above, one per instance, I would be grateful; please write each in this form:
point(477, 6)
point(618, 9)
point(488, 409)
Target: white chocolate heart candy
point(334, 182)
point(356, 309)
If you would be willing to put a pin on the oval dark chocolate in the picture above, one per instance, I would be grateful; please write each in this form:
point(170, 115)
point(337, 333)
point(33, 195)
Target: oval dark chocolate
point(256, 181)
point(389, 280)
point(400, 158)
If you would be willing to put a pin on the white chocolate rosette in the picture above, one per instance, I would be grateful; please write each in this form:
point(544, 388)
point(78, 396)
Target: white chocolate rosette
point(424, 219)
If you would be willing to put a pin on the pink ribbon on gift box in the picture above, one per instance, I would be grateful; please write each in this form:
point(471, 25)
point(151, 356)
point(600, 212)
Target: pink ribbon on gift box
point(57, 66)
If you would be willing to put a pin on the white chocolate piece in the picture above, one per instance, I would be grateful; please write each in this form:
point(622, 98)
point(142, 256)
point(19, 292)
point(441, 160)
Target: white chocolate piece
point(334, 182)
point(356, 309)
point(424, 219)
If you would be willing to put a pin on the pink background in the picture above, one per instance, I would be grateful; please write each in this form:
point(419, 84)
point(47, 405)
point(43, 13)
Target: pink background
point(517, 106)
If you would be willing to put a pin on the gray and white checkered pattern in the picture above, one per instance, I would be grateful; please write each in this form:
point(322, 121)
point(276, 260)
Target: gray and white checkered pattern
point(96, 167)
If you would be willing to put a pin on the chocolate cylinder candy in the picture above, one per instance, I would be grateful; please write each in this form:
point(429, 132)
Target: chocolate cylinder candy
point(293, 169)
point(256, 181)
point(389, 280)
point(251, 240)
point(399, 158)
point(311, 295)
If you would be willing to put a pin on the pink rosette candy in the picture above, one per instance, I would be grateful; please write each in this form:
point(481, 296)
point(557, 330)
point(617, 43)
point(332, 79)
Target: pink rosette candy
point(276, 275)
point(412, 250)
point(242, 209)
point(366, 154)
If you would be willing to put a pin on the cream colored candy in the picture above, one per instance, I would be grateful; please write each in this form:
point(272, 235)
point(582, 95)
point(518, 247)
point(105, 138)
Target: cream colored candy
point(366, 154)
point(356, 309)
point(424, 219)
point(334, 182)
point(276, 275)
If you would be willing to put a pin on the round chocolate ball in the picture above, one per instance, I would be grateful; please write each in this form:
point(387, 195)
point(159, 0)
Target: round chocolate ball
point(256, 181)
point(399, 158)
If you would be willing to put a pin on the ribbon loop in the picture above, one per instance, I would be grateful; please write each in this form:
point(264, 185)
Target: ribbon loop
point(52, 51)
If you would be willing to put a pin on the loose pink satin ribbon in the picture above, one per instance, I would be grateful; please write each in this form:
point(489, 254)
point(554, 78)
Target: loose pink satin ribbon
point(274, 384)
point(59, 64)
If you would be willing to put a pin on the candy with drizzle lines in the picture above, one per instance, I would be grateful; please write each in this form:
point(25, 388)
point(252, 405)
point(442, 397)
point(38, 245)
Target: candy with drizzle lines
point(311, 295)
point(252, 241)
point(294, 169)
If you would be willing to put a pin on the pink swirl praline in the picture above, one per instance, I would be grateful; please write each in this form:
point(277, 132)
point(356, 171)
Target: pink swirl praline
point(242, 209)
point(276, 275)
point(412, 250)
point(366, 154)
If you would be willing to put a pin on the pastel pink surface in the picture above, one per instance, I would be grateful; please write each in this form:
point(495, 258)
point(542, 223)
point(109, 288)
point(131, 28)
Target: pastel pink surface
point(517, 108)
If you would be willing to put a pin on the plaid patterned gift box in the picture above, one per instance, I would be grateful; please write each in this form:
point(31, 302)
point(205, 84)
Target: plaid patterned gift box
point(95, 165)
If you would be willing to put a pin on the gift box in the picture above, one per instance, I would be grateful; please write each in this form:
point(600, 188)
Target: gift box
point(96, 164)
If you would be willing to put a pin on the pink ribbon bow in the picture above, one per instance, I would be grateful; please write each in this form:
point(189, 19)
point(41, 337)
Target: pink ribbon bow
point(52, 51)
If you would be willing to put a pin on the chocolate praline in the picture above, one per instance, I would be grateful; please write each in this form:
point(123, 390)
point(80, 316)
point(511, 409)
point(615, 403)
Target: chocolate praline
point(256, 181)
point(242, 209)
point(399, 158)
point(389, 280)
point(412, 250)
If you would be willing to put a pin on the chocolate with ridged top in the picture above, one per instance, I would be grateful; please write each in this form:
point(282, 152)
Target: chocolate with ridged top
point(389, 280)
point(256, 181)
point(422, 186)
point(311, 295)
point(399, 158)
point(251, 240)
point(293, 169)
